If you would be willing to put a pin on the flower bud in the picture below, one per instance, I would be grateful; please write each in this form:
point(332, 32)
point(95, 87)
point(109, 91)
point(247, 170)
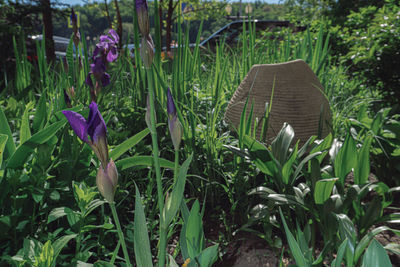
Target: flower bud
point(67, 100)
point(148, 114)
point(176, 130)
point(175, 126)
point(147, 51)
point(71, 92)
point(143, 17)
point(107, 181)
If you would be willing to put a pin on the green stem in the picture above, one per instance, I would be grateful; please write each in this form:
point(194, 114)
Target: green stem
point(163, 232)
point(176, 165)
point(120, 234)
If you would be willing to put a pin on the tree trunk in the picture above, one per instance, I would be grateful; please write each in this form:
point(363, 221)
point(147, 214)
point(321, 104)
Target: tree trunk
point(161, 20)
point(168, 29)
point(108, 15)
point(48, 31)
point(119, 27)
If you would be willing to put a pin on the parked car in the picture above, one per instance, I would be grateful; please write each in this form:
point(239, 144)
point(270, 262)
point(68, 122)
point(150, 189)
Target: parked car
point(60, 45)
point(230, 33)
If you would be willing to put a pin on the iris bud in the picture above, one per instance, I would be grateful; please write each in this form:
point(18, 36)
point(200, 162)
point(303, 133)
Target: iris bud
point(143, 17)
point(107, 181)
point(147, 51)
point(175, 128)
point(147, 116)
point(174, 125)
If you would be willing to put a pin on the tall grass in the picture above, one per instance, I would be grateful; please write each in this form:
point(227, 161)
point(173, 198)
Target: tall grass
point(202, 83)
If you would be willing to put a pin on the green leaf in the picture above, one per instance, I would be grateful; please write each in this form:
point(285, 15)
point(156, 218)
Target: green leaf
point(3, 142)
point(376, 256)
point(208, 256)
point(24, 151)
point(58, 213)
point(145, 161)
point(92, 206)
point(304, 161)
point(362, 169)
point(393, 247)
point(323, 190)
point(346, 159)
point(323, 147)
point(288, 166)
point(173, 202)
point(267, 193)
point(172, 262)
point(347, 231)
point(119, 150)
point(39, 121)
point(339, 257)
point(294, 247)
point(59, 244)
point(103, 264)
point(194, 236)
point(25, 131)
point(140, 235)
point(46, 257)
point(31, 248)
point(366, 240)
point(362, 115)
point(5, 129)
point(182, 236)
point(377, 123)
point(373, 211)
point(280, 145)
point(260, 155)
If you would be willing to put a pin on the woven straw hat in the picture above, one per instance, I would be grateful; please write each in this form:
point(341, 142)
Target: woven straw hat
point(297, 99)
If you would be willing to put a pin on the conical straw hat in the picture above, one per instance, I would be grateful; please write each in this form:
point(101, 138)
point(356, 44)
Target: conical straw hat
point(298, 99)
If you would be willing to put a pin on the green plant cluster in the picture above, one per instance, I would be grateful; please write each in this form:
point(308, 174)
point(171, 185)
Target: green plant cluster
point(371, 37)
point(316, 201)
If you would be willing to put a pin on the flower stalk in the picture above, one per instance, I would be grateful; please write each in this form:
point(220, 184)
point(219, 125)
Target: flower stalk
point(163, 230)
point(120, 233)
point(93, 131)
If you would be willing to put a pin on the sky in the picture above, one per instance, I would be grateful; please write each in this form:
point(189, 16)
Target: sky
point(74, 2)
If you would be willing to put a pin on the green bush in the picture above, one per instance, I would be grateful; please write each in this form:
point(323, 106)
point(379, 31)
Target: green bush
point(370, 41)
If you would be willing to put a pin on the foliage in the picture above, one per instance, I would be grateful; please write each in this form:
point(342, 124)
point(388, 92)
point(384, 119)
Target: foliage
point(321, 195)
point(372, 37)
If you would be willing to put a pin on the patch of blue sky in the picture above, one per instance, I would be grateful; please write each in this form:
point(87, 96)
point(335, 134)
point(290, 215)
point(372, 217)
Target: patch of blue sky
point(81, 2)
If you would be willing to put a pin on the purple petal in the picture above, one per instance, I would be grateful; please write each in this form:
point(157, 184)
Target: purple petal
point(95, 121)
point(96, 51)
point(170, 104)
point(98, 67)
point(105, 39)
point(112, 54)
point(105, 79)
point(114, 35)
point(88, 80)
point(73, 17)
point(78, 124)
point(141, 4)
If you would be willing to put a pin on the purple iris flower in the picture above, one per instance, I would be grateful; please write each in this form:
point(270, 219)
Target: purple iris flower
point(141, 4)
point(95, 127)
point(174, 125)
point(107, 47)
point(143, 16)
point(98, 69)
point(171, 109)
point(73, 18)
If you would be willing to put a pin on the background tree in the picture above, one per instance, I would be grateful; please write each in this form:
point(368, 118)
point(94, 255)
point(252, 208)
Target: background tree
point(48, 29)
